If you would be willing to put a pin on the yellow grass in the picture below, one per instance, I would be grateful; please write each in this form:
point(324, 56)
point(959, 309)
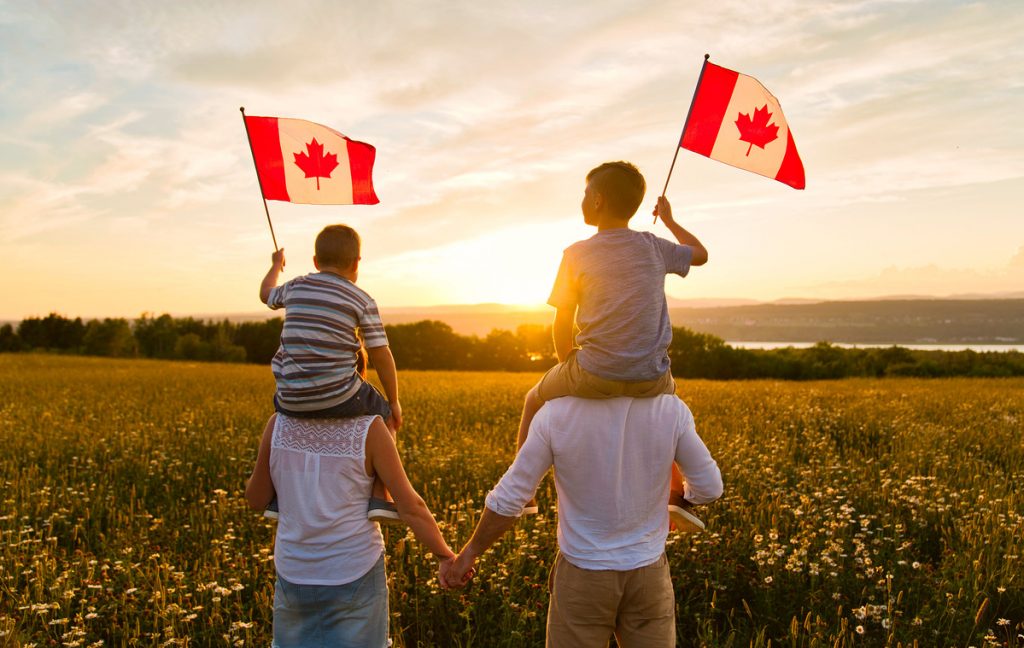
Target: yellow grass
point(859, 512)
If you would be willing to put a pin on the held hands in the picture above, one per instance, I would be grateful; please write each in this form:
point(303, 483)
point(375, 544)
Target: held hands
point(447, 575)
point(459, 571)
point(277, 258)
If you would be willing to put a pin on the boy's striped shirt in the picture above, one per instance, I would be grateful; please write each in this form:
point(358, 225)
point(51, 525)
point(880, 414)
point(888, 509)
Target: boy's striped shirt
point(315, 366)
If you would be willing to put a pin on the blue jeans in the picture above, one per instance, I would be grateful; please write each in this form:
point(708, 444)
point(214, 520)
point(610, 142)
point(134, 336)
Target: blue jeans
point(352, 615)
point(366, 400)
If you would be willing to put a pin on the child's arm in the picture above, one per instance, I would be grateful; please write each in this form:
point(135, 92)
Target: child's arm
point(270, 281)
point(384, 364)
point(562, 330)
point(664, 211)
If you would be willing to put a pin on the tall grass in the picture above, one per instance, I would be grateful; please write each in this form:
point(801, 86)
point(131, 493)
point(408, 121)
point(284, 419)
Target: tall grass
point(860, 512)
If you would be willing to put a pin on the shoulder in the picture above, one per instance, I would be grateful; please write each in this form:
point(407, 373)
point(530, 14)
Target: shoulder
point(672, 411)
point(353, 291)
point(343, 288)
point(577, 247)
point(652, 239)
point(378, 438)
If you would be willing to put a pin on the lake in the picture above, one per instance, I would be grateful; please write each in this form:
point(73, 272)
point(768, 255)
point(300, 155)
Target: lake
point(981, 348)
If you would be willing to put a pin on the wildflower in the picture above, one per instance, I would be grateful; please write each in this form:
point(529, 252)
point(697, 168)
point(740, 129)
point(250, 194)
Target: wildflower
point(768, 580)
point(1003, 622)
point(860, 629)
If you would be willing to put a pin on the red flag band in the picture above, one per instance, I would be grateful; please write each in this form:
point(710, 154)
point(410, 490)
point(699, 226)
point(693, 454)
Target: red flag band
point(302, 162)
point(735, 120)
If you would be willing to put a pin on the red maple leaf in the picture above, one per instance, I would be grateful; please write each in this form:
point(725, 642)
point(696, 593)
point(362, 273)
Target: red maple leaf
point(316, 164)
point(757, 130)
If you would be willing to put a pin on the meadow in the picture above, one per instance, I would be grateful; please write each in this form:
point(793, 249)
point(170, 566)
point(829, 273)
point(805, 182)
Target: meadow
point(856, 512)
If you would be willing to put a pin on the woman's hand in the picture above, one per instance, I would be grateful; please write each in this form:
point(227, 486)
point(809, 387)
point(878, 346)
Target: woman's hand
point(460, 571)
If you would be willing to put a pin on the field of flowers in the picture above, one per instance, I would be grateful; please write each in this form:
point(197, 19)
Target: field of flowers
point(857, 512)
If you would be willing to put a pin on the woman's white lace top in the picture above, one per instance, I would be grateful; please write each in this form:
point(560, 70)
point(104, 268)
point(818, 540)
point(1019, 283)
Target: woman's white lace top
point(319, 471)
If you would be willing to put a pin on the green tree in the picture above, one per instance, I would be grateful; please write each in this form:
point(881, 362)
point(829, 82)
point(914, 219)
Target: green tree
point(54, 332)
point(109, 337)
point(157, 337)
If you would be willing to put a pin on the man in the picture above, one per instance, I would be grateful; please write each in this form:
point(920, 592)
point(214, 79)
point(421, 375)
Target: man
point(612, 461)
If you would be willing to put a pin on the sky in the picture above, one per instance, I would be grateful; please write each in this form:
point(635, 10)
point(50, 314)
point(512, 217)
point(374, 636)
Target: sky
point(127, 185)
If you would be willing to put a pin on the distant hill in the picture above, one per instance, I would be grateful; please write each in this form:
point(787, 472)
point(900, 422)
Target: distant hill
point(890, 321)
point(886, 320)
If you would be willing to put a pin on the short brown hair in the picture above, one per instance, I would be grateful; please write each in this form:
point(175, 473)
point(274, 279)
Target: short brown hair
point(621, 184)
point(338, 246)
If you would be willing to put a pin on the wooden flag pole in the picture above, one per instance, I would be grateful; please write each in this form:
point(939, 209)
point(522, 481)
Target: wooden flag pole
point(679, 142)
point(258, 179)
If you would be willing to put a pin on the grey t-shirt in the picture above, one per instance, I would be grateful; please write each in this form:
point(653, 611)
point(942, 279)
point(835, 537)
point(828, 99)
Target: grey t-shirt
point(616, 282)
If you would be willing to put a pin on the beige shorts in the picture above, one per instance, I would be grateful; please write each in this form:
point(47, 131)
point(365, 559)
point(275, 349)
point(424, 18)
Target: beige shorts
point(570, 379)
point(586, 606)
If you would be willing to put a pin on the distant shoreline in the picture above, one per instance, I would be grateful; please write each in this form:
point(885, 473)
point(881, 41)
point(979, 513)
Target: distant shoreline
point(979, 348)
point(925, 324)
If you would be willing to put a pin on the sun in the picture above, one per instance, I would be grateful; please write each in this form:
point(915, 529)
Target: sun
point(513, 266)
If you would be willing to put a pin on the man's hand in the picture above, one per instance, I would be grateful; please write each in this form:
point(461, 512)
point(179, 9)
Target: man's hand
point(277, 259)
point(461, 570)
point(395, 421)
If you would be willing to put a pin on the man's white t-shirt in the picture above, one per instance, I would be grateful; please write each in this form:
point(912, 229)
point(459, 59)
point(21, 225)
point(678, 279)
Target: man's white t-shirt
point(612, 461)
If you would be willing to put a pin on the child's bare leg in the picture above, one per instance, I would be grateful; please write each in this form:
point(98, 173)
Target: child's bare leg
point(676, 484)
point(680, 514)
point(531, 406)
point(379, 491)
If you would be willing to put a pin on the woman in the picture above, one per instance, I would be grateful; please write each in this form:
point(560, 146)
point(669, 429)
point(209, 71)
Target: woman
point(331, 587)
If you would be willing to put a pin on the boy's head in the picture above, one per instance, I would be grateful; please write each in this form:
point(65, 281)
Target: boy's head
point(617, 187)
point(337, 246)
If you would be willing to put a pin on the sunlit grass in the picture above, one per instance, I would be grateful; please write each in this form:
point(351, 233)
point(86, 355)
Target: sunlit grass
point(859, 512)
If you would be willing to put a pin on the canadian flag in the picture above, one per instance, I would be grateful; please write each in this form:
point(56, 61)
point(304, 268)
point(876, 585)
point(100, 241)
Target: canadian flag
point(302, 162)
point(734, 119)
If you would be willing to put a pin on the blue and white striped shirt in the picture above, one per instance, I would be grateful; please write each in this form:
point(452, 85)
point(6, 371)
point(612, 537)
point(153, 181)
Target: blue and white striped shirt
point(325, 315)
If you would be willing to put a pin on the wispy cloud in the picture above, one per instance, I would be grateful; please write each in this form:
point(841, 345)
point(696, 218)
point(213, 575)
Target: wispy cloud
point(487, 116)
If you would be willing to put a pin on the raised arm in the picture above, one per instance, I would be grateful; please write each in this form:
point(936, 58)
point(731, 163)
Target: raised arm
point(562, 332)
point(382, 458)
point(664, 212)
point(384, 363)
point(259, 490)
point(270, 280)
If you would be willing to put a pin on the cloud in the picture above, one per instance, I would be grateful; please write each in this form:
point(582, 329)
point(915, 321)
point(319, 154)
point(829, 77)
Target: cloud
point(929, 279)
point(486, 116)
point(65, 109)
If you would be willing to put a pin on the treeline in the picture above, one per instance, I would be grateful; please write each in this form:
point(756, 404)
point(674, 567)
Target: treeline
point(420, 345)
point(434, 345)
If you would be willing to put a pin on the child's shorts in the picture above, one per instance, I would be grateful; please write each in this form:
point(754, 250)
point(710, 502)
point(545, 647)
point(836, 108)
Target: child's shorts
point(570, 379)
point(366, 400)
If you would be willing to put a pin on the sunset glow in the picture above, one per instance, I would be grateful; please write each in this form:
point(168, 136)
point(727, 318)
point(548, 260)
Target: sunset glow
point(126, 183)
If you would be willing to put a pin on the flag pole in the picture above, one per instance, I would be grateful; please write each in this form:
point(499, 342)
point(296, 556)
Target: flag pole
point(679, 143)
point(258, 179)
